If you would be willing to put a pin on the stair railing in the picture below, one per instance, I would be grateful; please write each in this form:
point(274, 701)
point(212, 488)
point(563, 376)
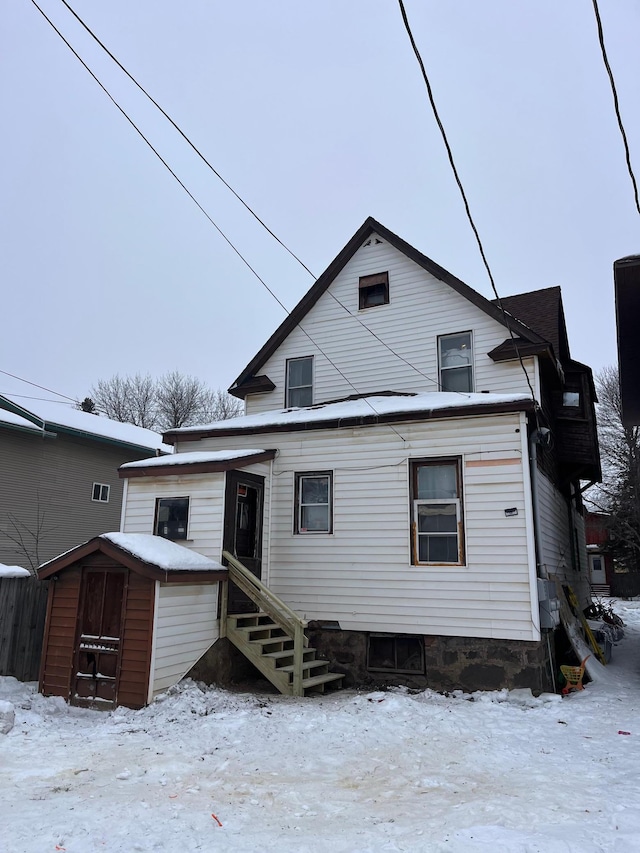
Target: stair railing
point(267, 601)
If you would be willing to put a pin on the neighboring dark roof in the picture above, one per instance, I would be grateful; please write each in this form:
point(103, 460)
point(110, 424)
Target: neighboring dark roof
point(124, 557)
point(370, 226)
point(541, 311)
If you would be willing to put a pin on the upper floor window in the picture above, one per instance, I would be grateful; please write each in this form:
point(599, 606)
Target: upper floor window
point(313, 502)
point(100, 493)
point(373, 290)
point(455, 353)
point(299, 382)
point(436, 497)
point(172, 516)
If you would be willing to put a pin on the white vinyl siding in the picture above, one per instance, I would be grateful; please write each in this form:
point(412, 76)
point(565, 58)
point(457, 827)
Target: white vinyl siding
point(206, 507)
point(563, 538)
point(421, 308)
point(362, 575)
point(186, 626)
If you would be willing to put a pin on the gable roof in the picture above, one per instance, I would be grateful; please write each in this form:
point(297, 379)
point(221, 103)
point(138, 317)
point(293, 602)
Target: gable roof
point(542, 311)
point(148, 555)
point(246, 381)
point(52, 417)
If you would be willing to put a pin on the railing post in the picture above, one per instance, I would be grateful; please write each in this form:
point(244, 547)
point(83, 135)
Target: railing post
point(224, 592)
point(298, 652)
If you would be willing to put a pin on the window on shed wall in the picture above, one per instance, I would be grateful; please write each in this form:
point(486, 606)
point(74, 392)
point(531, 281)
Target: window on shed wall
point(172, 518)
point(436, 512)
point(299, 390)
point(313, 499)
point(455, 355)
point(373, 290)
point(100, 493)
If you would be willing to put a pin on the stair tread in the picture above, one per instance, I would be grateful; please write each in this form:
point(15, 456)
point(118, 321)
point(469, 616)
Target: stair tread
point(321, 679)
point(266, 641)
point(284, 653)
point(307, 664)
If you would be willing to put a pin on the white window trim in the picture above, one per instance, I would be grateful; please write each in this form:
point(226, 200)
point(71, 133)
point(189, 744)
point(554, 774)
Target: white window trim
point(461, 532)
point(157, 511)
point(471, 364)
point(100, 499)
point(438, 502)
point(287, 404)
point(299, 477)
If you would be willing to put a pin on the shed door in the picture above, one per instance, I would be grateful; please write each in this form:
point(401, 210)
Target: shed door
point(596, 563)
point(243, 530)
point(100, 621)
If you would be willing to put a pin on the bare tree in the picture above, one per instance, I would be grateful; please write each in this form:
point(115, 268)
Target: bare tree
point(619, 493)
point(27, 538)
point(171, 402)
point(129, 399)
point(182, 400)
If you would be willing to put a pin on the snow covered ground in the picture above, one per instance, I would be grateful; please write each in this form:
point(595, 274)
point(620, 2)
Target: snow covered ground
point(350, 772)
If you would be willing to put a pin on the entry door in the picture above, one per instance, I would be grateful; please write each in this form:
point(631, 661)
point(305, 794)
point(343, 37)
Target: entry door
point(596, 563)
point(99, 637)
point(243, 530)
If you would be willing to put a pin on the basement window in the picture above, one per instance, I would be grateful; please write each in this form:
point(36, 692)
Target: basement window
point(373, 290)
point(172, 517)
point(100, 493)
point(395, 653)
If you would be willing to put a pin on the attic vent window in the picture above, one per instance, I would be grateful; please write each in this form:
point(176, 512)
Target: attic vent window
point(373, 290)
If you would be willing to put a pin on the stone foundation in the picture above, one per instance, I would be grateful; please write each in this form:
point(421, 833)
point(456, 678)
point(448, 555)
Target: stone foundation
point(450, 663)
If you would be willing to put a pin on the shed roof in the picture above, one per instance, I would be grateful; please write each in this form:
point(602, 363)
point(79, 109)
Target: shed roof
point(152, 556)
point(195, 462)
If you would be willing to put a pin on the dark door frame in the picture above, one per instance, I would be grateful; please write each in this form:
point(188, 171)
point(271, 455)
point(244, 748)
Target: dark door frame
point(237, 600)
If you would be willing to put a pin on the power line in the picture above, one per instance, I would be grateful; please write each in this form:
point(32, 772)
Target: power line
point(462, 191)
point(240, 199)
point(35, 385)
point(616, 105)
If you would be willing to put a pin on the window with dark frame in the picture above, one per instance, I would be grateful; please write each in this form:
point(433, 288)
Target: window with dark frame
point(172, 518)
point(313, 502)
point(100, 493)
point(436, 512)
point(299, 382)
point(455, 357)
point(373, 290)
point(395, 653)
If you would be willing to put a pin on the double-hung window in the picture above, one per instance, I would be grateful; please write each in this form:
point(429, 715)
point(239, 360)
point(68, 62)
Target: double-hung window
point(172, 517)
point(313, 499)
point(299, 382)
point(436, 507)
point(455, 355)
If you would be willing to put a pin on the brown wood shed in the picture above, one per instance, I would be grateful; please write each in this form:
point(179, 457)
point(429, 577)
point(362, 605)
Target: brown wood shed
point(104, 617)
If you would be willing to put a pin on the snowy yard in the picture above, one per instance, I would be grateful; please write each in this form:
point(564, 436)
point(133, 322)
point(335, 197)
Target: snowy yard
point(350, 772)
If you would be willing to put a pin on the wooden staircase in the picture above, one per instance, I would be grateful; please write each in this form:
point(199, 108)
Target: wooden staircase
point(273, 639)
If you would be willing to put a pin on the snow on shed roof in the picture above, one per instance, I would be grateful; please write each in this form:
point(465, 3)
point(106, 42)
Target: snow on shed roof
point(162, 553)
point(368, 409)
point(52, 416)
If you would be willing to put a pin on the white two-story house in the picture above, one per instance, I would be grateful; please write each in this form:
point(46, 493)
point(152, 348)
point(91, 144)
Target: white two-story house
point(406, 481)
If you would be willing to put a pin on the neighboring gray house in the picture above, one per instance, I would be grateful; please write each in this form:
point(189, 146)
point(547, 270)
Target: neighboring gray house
point(59, 481)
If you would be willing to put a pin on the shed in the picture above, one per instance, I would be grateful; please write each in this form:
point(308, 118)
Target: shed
point(128, 615)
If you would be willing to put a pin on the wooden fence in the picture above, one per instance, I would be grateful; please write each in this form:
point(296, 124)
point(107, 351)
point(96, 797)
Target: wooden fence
point(23, 609)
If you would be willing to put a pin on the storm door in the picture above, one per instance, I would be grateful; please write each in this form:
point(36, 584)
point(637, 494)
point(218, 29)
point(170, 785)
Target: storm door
point(243, 530)
point(100, 623)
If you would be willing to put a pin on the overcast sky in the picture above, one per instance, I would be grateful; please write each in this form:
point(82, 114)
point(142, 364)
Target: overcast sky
point(317, 115)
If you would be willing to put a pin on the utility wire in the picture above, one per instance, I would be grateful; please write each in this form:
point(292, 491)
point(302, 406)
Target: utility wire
point(616, 105)
point(201, 208)
point(35, 385)
point(462, 191)
point(241, 200)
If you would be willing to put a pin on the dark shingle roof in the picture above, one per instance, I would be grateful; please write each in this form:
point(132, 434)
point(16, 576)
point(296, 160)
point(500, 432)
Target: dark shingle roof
point(542, 312)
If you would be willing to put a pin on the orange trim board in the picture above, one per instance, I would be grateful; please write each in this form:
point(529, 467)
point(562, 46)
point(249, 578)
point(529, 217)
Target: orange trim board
point(490, 463)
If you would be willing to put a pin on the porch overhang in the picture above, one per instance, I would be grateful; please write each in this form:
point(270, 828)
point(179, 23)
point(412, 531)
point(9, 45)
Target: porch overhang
point(194, 463)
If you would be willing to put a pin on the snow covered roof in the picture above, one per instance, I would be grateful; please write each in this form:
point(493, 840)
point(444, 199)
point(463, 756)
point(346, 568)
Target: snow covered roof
point(13, 571)
point(152, 556)
point(196, 462)
point(52, 416)
point(361, 411)
point(162, 553)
